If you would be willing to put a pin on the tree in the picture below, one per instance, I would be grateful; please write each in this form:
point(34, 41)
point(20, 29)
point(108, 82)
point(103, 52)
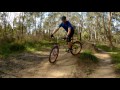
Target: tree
point(108, 29)
point(4, 22)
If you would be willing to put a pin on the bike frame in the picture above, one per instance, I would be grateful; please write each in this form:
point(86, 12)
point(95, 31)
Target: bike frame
point(57, 45)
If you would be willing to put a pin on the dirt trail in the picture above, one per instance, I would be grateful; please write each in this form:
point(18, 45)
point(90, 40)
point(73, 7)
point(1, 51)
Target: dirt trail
point(37, 65)
point(64, 67)
point(105, 68)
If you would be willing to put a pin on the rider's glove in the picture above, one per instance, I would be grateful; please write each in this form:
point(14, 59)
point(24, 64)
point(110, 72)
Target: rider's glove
point(52, 35)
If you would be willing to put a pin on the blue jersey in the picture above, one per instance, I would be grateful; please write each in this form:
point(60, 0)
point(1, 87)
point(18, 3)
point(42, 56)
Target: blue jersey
point(67, 25)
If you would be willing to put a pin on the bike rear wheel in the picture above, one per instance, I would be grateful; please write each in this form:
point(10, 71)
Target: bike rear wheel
point(54, 54)
point(76, 48)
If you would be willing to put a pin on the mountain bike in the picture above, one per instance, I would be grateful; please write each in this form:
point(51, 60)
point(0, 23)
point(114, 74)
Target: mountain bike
point(76, 49)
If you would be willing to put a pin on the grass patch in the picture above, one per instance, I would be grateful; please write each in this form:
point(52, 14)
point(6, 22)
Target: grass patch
point(107, 48)
point(117, 67)
point(7, 49)
point(15, 47)
point(115, 58)
point(88, 56)
point(30, 46)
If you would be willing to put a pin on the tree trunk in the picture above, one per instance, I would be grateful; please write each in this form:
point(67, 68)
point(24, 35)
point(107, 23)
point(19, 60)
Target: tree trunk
point(35, 25)
point(5, 28)
point(95, 35)
point(97, 32)
point(19, 32)
point(108, 32)
point(40, 26)
point(80, 36)
point(22, 26)
point(81, 28)
point(91, 36)
point(80, 32)
point(13, 29)
point(104, 26)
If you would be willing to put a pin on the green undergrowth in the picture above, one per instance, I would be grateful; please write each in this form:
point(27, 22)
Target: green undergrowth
point(7, 49)
point(107, 48)
point(88, 56)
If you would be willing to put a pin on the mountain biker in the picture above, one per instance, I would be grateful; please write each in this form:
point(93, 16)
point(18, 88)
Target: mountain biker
point(68, 28)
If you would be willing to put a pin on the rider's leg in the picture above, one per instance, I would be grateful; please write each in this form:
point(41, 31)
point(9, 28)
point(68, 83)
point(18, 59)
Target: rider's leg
point(69, 40)
point(69, 43)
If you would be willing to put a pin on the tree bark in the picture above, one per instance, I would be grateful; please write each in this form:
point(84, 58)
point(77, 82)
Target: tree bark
point(108, 32)
point(80, 32)
point(22, 24)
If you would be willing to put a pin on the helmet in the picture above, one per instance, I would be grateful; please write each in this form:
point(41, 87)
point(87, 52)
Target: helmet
point(63, 18)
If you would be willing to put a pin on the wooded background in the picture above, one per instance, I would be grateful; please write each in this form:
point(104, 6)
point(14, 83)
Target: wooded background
point(97, 27)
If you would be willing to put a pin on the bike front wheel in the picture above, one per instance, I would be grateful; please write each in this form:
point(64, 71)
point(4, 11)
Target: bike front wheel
point(76, 48)
point(54, 54)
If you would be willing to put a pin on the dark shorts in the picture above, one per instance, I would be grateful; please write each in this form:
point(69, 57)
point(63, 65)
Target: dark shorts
point(70, 37)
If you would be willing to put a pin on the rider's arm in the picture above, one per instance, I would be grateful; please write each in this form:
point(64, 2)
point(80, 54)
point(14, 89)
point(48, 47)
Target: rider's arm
point(69, 28)
point(69, 31)
point(55, 31)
